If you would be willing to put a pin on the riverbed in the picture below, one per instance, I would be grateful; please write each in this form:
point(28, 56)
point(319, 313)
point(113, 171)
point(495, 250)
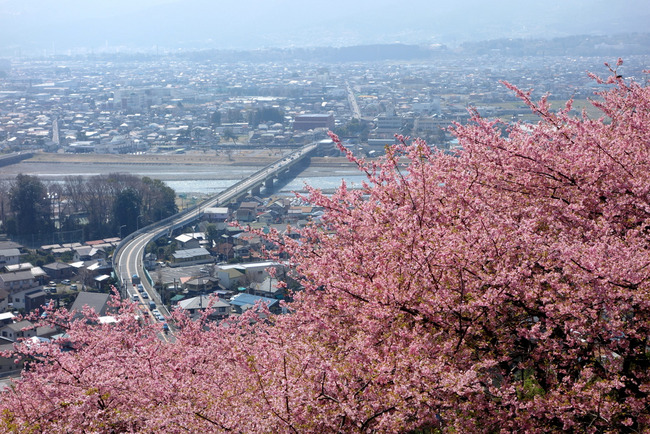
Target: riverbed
point(187, 173)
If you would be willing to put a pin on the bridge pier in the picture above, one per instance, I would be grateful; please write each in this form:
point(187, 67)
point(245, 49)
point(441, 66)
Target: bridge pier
point(268, 184)
point(255, 191)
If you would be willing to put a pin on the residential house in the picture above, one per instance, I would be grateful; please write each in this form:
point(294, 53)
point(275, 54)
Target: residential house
point(231, 276)
point(201, 284)
point(187, 241)
point(247, 239)
point(34, 300)
point(23, 266)
point(258, 271)
point(101, 281)
point(95, 300)
point(297, 213)
point(196, 305)
point(88, 253)
point(14, 331)
point(241, 251)
point(268, 217)
point(191, 256)
point(28, 299)
point(9, 257)
point(105, 244)
point(50, 247)
point(267, 288)
point(113, 241)
point(39, 274)
point(98, 267)
point(59, 270)
point(234, 275)
point(6, 245)
point(245, 243)
point(279, 206)
point(242, 302)
point(247, 212)
point(8, 365)
point(6, 318)
point(218, 215)
point(16, 284)
point(224, 250)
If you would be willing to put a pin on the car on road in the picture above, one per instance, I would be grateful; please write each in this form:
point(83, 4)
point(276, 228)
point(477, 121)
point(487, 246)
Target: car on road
point(66, 281)
point(144, 295)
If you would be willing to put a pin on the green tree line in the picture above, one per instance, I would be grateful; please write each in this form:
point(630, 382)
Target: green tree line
point(98, 206)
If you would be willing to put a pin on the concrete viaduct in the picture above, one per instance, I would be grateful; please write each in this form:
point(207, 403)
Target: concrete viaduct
point(129, 254)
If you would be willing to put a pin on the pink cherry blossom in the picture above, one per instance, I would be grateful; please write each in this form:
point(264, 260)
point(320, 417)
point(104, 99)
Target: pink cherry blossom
point(502, 288)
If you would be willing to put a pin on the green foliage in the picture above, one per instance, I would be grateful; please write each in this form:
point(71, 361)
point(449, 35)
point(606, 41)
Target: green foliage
point(66, 256)
point(354, 128)
point(39, 258)
point(530, 387)
point(159, 200)
point(228, 134)
point(265, 114)
point(162, 248)
point(126, 210)
point(31, 206)
point(104, 205)
point(212, 234)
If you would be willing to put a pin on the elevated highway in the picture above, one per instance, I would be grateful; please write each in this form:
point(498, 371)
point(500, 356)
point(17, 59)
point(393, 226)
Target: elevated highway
point(129, 254)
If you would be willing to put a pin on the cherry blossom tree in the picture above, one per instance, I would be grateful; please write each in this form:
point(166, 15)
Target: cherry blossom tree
point(504, 287)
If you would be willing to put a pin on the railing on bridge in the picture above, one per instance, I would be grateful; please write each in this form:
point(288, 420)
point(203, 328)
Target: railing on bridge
point(183, 218)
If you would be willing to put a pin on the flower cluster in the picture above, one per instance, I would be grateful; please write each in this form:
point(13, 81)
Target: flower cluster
point(504, 287)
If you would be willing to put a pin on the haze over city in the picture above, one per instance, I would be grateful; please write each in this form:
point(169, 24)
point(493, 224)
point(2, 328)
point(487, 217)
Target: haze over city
point(324, 216)
point(79, 26)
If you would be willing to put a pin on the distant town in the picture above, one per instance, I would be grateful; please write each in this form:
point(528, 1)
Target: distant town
point(129, 103)
point(194, 104)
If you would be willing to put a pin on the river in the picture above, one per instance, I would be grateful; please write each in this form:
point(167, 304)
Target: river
point(187, 179)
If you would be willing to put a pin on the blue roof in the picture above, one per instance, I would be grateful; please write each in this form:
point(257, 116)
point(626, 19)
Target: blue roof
point(244, 299)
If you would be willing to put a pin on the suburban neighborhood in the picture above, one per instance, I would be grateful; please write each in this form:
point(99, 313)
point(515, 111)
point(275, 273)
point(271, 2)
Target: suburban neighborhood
point(211, 265)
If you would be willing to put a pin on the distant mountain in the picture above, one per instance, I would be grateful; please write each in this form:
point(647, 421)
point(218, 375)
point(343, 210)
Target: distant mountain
point(253, 24)
point(580, 45)
point(607, 47)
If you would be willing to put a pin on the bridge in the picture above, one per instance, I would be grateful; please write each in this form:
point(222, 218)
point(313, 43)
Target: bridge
point(129, 254)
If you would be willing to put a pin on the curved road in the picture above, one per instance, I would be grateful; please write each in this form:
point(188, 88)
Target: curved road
point(128, 258)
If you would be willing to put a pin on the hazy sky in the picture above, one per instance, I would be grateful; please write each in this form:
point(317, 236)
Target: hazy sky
point(64, 25)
